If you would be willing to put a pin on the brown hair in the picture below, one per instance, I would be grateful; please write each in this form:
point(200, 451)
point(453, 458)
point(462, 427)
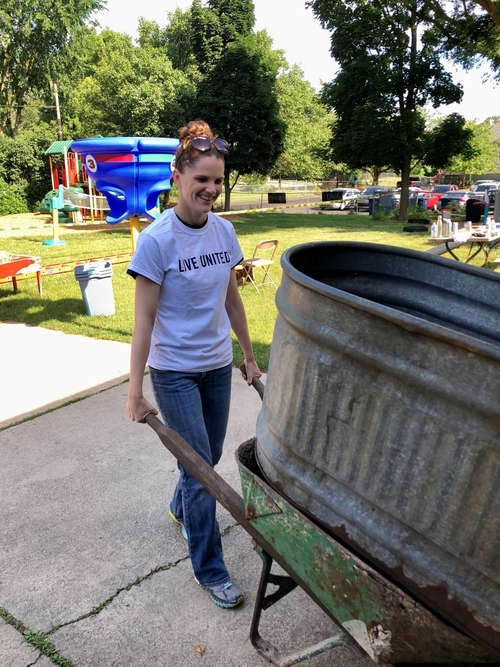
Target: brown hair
point(186, 153)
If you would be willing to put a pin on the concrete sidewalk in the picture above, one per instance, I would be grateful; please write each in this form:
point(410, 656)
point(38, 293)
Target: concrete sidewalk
point(87, 551)
point(42, 368)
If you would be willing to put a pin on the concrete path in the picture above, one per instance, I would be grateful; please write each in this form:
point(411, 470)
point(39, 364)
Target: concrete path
point(90, 563)
point(44, 368)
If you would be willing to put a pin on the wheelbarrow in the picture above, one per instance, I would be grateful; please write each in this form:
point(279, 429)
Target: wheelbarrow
point(375, 617)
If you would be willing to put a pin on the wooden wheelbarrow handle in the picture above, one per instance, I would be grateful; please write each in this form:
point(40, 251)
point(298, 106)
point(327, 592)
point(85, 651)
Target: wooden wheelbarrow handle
point(202, 471)
point(212, 481)
point(256, 383)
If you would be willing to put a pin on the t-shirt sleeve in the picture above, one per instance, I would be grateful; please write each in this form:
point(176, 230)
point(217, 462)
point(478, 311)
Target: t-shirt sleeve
point(147, 260)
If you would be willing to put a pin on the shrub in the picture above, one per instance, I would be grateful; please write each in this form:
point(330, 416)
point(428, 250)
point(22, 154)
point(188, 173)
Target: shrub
point(380, 214)
point(13, 198)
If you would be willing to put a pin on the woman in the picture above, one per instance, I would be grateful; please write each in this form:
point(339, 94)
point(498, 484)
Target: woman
point(186, 302)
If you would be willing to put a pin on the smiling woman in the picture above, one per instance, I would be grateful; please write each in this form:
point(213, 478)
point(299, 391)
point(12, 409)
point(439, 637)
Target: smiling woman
point(187, 301)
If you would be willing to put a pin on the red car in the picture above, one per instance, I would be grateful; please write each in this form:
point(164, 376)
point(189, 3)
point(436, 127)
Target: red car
point(436, 193)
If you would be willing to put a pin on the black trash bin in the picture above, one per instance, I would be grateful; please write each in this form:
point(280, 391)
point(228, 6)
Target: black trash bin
point(474, 210)
point(96, 287)
point(276, 197)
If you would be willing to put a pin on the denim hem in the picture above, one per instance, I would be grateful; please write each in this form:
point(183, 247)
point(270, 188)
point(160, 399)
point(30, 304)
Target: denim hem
point(209, 586)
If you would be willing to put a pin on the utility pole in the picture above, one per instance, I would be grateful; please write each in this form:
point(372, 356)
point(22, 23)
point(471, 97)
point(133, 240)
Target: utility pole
point(58, 113)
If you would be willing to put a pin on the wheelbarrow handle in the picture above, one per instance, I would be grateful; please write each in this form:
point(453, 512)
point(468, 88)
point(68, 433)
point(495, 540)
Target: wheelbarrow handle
point(201, 470)
point(234, 504)
point(256, 383)
point(212, 481)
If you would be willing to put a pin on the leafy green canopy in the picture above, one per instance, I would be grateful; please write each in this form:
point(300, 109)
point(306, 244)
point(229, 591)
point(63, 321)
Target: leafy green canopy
point(217, 25)
point(31, 34)
point(307, 128)
point(239, 101)
point(126, 90)
point(389, 69)
point(468, 31)
point(483, 153)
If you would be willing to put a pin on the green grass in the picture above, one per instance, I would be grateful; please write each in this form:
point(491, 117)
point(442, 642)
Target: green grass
point(62, 308)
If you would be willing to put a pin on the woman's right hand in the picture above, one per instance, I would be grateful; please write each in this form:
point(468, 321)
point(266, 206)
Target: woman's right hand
point(138, 408)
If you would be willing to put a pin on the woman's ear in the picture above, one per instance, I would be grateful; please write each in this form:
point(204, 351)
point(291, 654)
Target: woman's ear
point(175, 177)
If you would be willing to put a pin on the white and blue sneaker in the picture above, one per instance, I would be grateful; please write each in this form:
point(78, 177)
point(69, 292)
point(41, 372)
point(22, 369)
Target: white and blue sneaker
point(226, 595)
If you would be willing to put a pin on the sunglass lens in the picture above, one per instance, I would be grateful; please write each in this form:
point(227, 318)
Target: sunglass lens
point(221, 145)
point(204, 144)
point(201, 143)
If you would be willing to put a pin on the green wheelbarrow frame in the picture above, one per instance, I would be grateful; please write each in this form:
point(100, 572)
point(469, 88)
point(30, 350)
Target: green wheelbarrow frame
point(375, 617)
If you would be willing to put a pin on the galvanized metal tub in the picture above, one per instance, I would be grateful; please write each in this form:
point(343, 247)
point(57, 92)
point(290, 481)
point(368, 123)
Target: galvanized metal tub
point(381, 416)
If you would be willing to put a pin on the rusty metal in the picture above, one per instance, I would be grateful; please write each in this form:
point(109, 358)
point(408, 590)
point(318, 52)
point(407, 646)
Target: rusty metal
point(381, 417)
point(285, 586)
point(381, 620)
point(389, 625)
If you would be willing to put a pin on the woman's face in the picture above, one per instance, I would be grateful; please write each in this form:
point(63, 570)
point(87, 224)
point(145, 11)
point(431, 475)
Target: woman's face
point(199, 186)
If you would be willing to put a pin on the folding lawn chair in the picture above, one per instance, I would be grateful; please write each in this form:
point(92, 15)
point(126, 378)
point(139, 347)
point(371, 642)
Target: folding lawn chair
point(262, 259)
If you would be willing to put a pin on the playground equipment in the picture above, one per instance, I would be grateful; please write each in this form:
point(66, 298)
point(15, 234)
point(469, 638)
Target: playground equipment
point(63, 213)
point(64, 167)
point(131, 172)
point(56, 204)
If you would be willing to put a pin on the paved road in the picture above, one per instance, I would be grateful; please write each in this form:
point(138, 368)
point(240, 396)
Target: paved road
point(312, 199)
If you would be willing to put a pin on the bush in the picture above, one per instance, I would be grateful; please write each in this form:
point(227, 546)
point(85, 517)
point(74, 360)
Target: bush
point(380, 214)
point(13, 198)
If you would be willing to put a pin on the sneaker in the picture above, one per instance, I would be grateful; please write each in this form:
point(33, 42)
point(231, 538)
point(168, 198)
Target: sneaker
point(226, 595)
point(176, 520)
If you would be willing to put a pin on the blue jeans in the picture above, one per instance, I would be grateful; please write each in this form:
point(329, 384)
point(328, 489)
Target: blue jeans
point(196, 405)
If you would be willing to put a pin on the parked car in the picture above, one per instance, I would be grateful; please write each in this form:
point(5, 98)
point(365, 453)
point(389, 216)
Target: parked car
point(484, 181)
point(369, 192)
point(342, 198)
point(486, 185)
point(457, 198)
point(437, 192)
point(417, 196)
point(490, 197)
point(411, 189)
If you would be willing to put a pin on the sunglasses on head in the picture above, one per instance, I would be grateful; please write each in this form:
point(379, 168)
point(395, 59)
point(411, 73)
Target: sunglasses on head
point(204, 144)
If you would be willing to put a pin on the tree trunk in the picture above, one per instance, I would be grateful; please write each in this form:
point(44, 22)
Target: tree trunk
point(227, 190)
point(165, 200)
point(405, 193)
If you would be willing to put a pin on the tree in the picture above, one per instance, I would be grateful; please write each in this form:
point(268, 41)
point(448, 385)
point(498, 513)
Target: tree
point(31, 35)
point(483, 154)
point(307, 125)
point(215, 26)
point(390, 69)
point(236, 17)
point(467, 31)
point(179, 40)
point(129, 91)
point(238, 99)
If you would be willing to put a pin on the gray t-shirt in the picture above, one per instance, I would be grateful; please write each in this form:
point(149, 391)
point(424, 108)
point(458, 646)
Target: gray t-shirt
point(192, 267)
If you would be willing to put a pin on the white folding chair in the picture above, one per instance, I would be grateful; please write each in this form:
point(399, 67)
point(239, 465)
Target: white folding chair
point(262, 259)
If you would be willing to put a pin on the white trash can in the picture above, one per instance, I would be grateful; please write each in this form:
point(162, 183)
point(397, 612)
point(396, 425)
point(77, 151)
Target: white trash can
point(96, 286)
